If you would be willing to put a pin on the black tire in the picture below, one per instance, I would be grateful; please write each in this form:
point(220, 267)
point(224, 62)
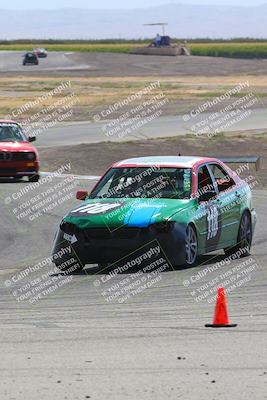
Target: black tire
point(244, 237)
point(66, 264)
point(191, 246)
point(34, 178)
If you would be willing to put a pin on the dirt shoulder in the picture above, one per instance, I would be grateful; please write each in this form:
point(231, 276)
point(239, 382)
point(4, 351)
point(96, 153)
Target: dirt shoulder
point(94, 159)
point(92, 95)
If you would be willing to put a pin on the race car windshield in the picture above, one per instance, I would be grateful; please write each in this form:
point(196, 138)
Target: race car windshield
point(11, 133)
point(145, 182)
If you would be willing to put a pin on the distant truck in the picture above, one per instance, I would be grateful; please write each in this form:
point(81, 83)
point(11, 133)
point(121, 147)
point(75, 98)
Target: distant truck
point(161, 41)
point(162, 47)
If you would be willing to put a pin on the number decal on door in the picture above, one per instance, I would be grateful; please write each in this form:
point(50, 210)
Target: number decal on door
point(213, 222)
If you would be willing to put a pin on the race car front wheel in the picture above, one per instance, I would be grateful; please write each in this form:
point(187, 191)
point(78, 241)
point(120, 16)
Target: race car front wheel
point(191, 246)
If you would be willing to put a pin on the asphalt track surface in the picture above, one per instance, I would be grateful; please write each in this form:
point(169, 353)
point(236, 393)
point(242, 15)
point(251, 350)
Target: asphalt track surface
point(11, 61)
point(125, 65)
point(74, 345)
point(169, 126)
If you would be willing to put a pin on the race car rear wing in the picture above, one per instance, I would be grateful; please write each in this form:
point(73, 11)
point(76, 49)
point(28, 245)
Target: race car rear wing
point(242, 160)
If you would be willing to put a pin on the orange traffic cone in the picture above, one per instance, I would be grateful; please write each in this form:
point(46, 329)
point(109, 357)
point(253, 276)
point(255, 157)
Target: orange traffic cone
point(221, 317)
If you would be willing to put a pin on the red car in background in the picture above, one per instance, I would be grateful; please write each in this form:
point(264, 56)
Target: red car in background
point(41, 53)
point(18, 157)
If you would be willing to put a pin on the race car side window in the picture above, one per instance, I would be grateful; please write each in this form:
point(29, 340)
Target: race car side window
point(223, 180)
point(205, 182)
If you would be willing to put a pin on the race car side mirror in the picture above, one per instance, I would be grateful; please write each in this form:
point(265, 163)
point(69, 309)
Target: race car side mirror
point(81, 195)
point(207, 196)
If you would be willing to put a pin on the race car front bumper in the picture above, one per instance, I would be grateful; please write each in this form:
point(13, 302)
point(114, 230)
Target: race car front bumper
point(104, 246)
point(18, 168)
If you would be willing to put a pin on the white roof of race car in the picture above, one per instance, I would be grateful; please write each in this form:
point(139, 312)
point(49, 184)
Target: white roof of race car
point(187, 162)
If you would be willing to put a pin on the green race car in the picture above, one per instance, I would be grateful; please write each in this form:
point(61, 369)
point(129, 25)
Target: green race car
point(187, 205)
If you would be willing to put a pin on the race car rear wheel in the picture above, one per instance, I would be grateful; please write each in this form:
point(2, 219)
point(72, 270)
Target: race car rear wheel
point(244, 238)
point(34, 178)
point(191, 246)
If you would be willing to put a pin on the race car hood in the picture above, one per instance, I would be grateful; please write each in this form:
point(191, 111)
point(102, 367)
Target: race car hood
point(141, 213)
point(16, 146)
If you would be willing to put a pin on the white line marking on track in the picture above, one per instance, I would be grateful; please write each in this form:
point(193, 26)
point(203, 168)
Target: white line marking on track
point(81, 177)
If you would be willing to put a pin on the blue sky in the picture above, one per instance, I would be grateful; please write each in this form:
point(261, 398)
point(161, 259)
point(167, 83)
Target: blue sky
point(52, 4)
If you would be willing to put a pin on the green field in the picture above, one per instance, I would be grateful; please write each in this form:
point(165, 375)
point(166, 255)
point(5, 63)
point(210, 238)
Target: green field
point(232, 49)
point(79, 47)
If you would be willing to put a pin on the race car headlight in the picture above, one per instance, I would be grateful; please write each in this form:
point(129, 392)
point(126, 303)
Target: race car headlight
point(31, 156)
point(164, 226)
